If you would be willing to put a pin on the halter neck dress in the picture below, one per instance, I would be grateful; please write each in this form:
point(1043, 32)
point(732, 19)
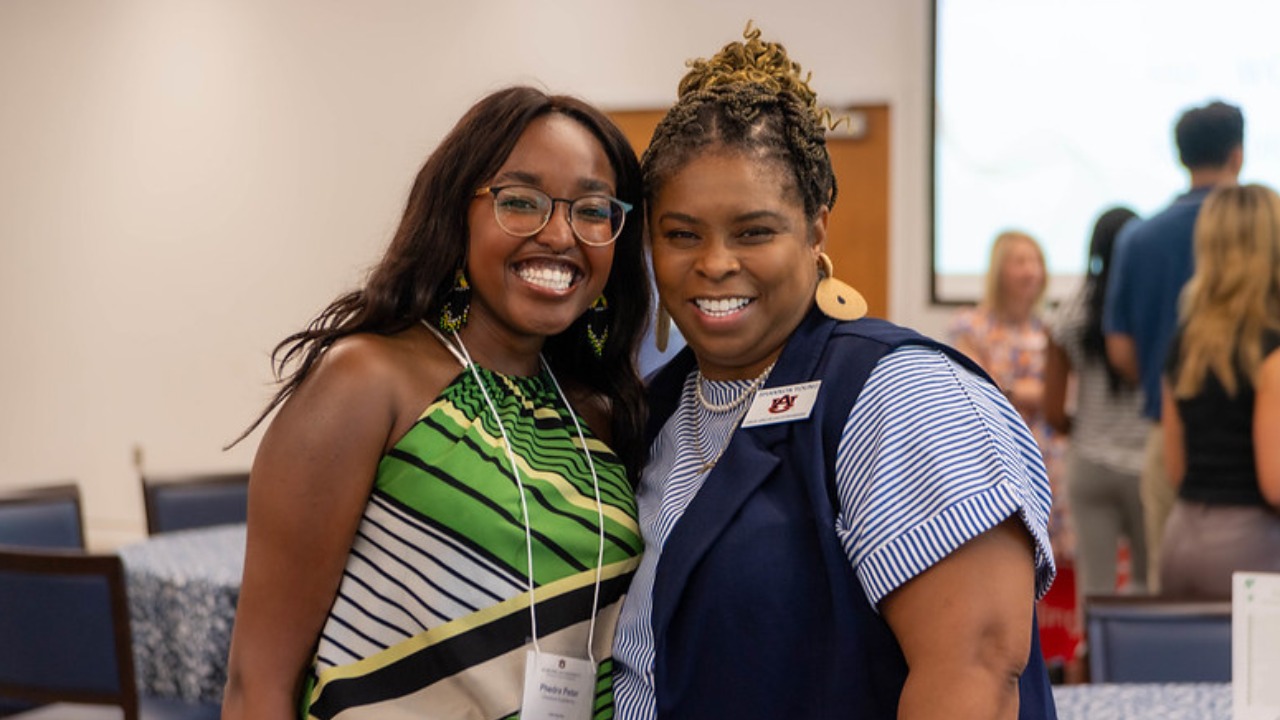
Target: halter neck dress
point(431, 619)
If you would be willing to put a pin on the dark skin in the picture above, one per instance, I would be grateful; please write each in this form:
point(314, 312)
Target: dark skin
point(317, 463)
point(980, 598)
point(321, 454)
point(721, 229)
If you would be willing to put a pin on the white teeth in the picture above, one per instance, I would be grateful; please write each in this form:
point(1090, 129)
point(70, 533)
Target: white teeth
point(550, 276)
point(720, 307)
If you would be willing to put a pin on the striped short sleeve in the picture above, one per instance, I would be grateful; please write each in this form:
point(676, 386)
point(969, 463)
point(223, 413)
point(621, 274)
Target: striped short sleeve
point(932, 456)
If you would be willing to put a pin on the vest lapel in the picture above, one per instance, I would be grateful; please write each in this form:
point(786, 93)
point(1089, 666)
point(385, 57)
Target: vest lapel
point(747, 463)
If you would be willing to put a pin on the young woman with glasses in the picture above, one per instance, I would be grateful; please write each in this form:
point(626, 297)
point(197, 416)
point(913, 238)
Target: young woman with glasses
point(841, 517)
point(441, 516)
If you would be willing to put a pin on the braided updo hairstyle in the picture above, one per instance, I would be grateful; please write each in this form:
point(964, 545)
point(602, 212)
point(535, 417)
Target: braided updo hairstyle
point(750, 97)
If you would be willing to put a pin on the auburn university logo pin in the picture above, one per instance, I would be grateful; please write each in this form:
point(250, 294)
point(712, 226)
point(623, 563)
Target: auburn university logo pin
point(782, 404)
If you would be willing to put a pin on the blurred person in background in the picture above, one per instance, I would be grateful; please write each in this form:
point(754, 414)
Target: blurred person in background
point(1153, 260)
point(1105, 440)
point(1221, 416)
point(1005, 334)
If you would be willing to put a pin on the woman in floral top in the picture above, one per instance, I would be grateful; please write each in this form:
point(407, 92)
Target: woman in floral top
point(1006, 335)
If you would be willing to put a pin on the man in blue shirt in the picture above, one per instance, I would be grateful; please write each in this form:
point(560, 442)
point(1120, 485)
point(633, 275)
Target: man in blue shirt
point(1153, 262)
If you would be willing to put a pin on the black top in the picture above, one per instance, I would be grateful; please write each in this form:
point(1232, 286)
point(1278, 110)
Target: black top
point(1217, 432)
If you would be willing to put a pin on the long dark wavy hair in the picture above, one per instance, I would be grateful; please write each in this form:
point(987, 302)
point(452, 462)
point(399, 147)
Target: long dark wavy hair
point(417, 271)
point(1101, 250)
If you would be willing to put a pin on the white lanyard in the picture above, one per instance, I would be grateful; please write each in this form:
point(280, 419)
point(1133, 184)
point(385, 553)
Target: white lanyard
point(460, 353)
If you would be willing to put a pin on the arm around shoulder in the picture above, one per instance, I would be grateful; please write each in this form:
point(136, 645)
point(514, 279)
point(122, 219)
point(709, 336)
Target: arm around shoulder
point(309, 485)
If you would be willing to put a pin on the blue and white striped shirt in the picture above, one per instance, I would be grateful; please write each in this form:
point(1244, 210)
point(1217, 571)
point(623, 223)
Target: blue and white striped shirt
point(930, 457)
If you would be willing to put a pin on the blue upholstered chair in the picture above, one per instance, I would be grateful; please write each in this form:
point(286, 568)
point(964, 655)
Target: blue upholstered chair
point(179, 502)
point(1154, 639)
point(64, 630)
point(48, 517)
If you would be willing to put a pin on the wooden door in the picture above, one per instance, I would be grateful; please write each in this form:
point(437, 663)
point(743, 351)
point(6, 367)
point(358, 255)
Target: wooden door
point(858, 234)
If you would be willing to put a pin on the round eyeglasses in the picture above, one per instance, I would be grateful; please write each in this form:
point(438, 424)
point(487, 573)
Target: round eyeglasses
point(524, 211)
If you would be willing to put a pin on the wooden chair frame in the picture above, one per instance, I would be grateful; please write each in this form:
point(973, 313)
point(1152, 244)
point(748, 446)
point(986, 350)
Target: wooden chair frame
point(110, 567)
point(155, 485)
point(38, 495)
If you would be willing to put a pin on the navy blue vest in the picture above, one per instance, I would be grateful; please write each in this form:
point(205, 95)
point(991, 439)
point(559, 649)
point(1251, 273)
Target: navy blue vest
point(756, 610)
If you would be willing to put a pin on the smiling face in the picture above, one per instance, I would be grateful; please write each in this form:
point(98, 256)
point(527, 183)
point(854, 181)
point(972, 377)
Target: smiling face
point(735, 260)
point(527, 288)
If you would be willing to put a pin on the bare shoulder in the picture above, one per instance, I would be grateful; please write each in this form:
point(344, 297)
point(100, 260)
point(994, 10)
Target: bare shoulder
point(361, 395)
point(372, 358)
point(365, 360)
point(386, 379)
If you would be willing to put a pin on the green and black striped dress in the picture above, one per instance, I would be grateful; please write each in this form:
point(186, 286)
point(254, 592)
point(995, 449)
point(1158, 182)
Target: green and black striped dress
point(431, 619)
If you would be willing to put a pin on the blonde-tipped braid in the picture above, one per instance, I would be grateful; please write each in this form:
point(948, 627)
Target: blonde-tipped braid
point(750, 97)
point(756, 62)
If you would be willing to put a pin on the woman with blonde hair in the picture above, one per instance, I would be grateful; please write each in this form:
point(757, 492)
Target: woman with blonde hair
point(1221, 403)
point(1005, 333)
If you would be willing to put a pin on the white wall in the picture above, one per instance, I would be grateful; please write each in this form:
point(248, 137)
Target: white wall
point(184, 182)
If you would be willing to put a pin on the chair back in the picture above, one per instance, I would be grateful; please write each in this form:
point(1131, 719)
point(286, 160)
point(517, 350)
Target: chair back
point(1146, 639)
point(64, 629)
point(179, 502)
point(48, 517)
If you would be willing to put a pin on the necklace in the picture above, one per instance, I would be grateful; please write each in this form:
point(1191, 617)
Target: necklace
point(738, 403)
point(747, 392)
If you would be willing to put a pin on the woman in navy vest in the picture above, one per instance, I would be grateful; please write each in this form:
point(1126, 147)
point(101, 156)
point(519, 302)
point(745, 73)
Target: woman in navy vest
point(842, 518)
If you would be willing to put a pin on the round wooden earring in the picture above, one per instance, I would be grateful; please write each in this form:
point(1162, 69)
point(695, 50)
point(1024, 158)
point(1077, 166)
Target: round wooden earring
point(836, 299)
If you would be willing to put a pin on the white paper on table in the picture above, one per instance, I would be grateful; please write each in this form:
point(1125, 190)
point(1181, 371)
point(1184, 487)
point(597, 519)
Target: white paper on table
point(1255, 646)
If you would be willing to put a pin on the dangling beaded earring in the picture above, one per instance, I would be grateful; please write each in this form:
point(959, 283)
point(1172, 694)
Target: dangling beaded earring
point(457, 306)
point(836, 299)
point(598, 325)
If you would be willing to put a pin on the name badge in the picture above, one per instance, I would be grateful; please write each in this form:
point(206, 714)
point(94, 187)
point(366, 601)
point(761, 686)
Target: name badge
point(782, 404)
point(557, 687)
